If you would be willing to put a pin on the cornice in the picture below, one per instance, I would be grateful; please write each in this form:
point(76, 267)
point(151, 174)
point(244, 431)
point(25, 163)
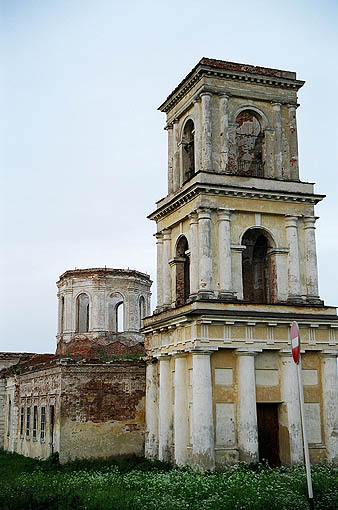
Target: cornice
point(231, 191)
point(247, 76)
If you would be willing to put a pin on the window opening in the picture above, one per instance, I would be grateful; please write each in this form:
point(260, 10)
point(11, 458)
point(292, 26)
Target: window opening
point(28, 422)
point(188, 156)
point(141, 311)
point(51, 413)
point(258, 269)
point(9, 417)
point(82, 314)
point(22, 418)
point(42, 423)
point(249, 145)
point(182, 272)
point(119, 317)
point(35, 422)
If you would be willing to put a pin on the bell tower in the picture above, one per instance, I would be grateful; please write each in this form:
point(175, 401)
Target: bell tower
point(236, 263)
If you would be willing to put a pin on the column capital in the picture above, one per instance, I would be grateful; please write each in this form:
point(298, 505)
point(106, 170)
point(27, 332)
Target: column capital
point(224, 95)
point(309, 221)
point(174, 121)
point(285, 353)
point(326, 353)
point(204, 213)
point(206, 94)
point(291, 220)
point(168, 126)
point(199, 352)
point(166, 234)
point(193, 218)
point(276, 106)
point(163, 357)
point(159, 237)
point(292, 106)
point(247, 352)
point(223, 214)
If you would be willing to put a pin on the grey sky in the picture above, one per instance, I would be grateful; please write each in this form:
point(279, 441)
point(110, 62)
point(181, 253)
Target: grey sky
point(83, 154)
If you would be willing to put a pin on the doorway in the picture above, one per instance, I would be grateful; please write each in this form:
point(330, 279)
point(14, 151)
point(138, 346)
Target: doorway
point(268, 434)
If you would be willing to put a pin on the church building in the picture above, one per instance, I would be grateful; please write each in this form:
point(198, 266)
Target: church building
point(236, 264)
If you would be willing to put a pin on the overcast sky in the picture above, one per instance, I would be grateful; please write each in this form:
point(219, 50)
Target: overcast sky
point(83, 154)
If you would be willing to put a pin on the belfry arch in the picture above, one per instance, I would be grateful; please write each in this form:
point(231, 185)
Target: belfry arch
point(188, 150)
point(258, 267)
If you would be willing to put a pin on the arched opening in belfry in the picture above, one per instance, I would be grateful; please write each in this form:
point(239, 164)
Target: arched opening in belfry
point(116, 312)
point(249, 144)
point(188, 152)
point(62, 314)
point(182, 260)
point(119, 313)
point(142, 311)
point(258, 268)
point(82, 313)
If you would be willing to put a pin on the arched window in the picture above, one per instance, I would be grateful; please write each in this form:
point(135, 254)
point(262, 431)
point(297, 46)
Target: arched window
point(259, 275)
point(142, 311)
point(119, 317)
point(188, 153)
point(62, 313)
point(182, 261)
point(116, 312)
point(82, 313)
point(249, 144)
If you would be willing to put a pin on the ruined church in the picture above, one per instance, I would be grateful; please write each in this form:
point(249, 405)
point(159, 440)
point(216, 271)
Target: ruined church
point(208, 378)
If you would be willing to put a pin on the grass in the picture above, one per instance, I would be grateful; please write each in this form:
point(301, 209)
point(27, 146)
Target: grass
point(136, 484)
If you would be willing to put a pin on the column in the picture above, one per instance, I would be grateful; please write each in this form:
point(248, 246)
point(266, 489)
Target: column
point(311, 270)
point(232, 157)
point(247, 409)
point(197, 137)
point(268, 152)
point(176, 156)
point(181, 432)
point(159, 262)
point(278, 173)
point(169, 129)
point(330, 404)
point(194, 257)
point(166, 277)
point(224, 132)
point(205, 254)
point(98, 311)
point(206, 131)
point(279, 258)
point(236, 264)
point(293, 258)
point(69, 322)
point(151, 439)
point(165, 414)
point(224, 253)
point(293, 143)
point(290, 419)
point(203, 424)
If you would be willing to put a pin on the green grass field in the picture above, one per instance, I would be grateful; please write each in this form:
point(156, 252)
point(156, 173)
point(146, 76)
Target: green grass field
point(133, 484)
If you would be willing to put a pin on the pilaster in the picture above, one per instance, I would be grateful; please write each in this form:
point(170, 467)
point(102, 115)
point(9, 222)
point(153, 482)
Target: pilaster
point(224, 253)
point(293, 143)
point(206, 131)
point(165, 410)
point(205, 254)
point(311, 270)
point(151, 437)
point(290, 411)
point(194, 254)
point(169, 129)
point(278, 173)
point(330, 403)
point(166, 276)
point(181, 432)
point(203, 423)
point(159, 262)
point(224, 132)
point(293, 259)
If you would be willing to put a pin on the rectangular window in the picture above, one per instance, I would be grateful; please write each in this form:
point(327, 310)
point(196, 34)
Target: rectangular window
point(9, 417)
point(28, 422)
point(35, 422)
point(42, 423)
point(22, 418)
